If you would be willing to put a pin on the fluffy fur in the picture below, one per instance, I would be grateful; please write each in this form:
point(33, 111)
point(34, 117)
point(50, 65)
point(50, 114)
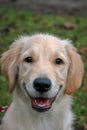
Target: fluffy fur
point(65, 79)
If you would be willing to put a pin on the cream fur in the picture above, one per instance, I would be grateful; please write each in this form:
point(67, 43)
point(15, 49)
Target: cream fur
point(44, 49)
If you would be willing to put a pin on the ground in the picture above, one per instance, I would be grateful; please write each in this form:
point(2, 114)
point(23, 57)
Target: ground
point(14, 23)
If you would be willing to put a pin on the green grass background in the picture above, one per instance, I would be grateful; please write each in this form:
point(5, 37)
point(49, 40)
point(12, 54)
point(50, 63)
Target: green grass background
point(14, 23)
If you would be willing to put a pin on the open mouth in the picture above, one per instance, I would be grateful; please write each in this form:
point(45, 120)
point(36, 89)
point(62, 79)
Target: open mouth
point(41, 104)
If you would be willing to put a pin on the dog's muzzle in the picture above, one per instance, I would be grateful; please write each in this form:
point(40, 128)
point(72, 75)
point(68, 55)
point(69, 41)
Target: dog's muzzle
point(41, 86)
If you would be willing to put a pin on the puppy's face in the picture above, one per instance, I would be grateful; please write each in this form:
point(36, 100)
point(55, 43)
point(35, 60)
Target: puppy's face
point(44, 67)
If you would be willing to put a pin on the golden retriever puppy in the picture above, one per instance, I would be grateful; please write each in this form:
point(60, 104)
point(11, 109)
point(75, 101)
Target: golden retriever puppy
point(43, 71)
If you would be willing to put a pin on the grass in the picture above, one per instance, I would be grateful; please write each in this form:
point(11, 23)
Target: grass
point(14, 23)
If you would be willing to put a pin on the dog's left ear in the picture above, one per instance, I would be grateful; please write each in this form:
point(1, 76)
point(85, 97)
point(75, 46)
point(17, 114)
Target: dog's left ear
point(9, 64)
point(75, 72)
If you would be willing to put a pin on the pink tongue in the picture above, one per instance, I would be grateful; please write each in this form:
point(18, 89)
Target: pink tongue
point(41, 103)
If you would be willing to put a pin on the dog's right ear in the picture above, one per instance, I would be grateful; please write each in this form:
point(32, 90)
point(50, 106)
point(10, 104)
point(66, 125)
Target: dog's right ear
point(9, 64)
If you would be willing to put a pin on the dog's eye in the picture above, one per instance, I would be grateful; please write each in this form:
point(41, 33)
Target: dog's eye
point(58, 61)
point(28, 59)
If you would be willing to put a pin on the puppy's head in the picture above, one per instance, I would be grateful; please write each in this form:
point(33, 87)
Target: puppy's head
point(43, 67)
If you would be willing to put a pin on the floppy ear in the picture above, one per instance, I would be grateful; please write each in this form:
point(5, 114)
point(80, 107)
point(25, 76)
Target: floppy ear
point(75, 73)
point(9, 64)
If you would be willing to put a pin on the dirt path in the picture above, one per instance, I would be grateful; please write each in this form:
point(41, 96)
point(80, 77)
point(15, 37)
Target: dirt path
point(70, 7)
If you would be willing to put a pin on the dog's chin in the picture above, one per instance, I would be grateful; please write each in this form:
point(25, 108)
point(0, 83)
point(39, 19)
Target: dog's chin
point(42, 104)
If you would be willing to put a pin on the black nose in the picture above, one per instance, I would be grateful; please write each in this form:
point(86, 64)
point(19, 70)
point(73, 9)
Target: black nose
point(42, 84)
